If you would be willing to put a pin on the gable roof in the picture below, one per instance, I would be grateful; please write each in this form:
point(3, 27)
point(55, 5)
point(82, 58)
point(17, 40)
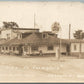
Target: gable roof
point(33, 39)
point(1, 29)
point(14, 41)
point(25, 28)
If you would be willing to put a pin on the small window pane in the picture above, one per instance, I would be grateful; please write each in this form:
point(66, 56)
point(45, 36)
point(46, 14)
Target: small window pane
point(25, 48)
point(6, 48)
point(75, 47)
point(13, 48)
point(9, 48)
point(17, 48)
point(2, 48)
point(50, 47)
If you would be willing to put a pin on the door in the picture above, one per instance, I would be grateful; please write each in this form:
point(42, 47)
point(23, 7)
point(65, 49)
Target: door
point(68, 50)
point(20, 50)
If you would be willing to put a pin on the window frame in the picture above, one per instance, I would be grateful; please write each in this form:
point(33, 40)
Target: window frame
point(14, 49)
point(2, 47)
point(75, 47)
point(34, 48)
point(6, 48)
point(10, 48)
point(51, 47)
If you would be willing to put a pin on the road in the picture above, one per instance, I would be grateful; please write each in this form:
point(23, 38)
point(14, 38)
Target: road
point(40, 69)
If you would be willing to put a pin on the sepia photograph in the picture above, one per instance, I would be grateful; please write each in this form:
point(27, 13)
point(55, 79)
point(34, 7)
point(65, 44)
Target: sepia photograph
point(41, 41)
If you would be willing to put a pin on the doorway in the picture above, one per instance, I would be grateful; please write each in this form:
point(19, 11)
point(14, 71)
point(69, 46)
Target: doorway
point(20, 50)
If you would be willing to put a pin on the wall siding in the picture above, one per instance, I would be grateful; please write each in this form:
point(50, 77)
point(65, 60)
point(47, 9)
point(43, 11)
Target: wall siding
point(77, 47)
point(5, 32)
point(44, 49)
point(77, 52)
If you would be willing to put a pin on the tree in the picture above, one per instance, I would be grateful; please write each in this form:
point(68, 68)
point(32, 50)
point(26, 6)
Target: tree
point(79, 34)
point(10, 25)
point(55, 27)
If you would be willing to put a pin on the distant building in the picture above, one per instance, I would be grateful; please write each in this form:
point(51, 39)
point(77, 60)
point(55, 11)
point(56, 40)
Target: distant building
point(77, 47)
point(11, 33)
point(22, 41)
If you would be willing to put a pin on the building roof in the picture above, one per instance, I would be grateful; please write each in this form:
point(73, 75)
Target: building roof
point(76, 40)
point(2, 41)
point(14, 41)
point(25, 28)
point(1, 29)
point(35, 39)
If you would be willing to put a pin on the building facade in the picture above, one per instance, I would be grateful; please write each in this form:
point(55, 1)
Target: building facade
point(77, 47)
point(11, 33)
point(21, 41)
point(34, 44)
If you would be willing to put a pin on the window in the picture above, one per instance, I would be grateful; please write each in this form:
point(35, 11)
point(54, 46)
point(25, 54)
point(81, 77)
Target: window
point(9, 48)
point(6, 48)
point(50, 47)
point(19, 36)
point(17, 48)
point(75, 47)
point(2, 48)
point(44, 35)
point(34, 48)
point(13, 48)
point(0, 32)
point(25, 48)
point(8, 36)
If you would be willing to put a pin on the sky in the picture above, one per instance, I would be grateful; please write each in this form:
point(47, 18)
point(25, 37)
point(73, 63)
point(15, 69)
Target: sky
point(46, 13)
point(44, 0)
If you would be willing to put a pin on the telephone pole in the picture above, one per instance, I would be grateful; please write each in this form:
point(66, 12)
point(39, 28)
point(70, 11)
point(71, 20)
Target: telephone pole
point(69, 31)
point(34, 20)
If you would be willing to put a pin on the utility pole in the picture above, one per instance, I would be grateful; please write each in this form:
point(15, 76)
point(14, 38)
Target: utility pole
point(80, 50)
point(60, 47)
point(68, 46)
point(80, 45)
point(69, 31)
point(34, 20)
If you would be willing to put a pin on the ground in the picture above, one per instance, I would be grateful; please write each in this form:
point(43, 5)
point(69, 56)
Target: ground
point(41, 69)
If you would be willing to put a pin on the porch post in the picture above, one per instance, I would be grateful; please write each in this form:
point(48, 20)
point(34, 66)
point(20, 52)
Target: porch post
point(23, 50)
point(29, 49)
point(59, 51)
point(80, 50)
point(4, 49)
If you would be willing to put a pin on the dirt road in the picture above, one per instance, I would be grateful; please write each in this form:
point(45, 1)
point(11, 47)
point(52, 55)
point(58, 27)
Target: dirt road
point(40, 69)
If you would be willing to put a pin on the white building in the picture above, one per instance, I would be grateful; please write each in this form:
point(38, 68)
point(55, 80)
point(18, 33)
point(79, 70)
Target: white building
point(11, 33)
point(77, 47)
